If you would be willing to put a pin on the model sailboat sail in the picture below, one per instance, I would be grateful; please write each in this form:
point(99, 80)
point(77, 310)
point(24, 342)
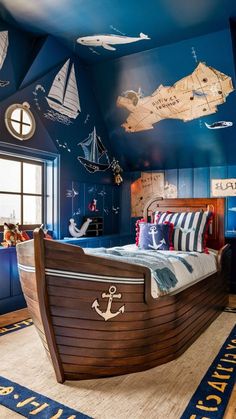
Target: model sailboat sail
point(63, 96)
point(3, 47)
point(94, 150)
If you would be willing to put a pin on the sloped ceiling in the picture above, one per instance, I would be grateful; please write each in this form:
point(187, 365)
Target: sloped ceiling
point(121, 58)
point(163, 21)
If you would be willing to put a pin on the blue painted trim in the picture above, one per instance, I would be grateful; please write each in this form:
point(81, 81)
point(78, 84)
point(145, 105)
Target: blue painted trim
point(15, 150)
point(26, 402)
point(221, 387)
point(13, 327)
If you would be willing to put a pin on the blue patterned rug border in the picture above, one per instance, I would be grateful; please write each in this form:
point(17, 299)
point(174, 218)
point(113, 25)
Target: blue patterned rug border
point(212, 395)
point(28, 403)
point(230, 309)
point(15, 326)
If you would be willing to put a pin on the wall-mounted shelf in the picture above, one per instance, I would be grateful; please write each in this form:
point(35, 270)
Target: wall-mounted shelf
point(95, 228)
point(102, 241)
point(230, 233)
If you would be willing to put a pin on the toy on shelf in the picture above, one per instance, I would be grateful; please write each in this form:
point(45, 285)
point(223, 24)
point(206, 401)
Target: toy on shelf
point(74, 231)
point(12, 235)
point(92, 206)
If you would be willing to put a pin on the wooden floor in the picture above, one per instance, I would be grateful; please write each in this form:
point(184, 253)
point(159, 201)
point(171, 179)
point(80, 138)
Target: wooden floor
point(14, 317)
point(23, 314)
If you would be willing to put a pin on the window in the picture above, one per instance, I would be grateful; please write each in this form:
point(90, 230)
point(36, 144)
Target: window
point(21, 191)
point(20, 121)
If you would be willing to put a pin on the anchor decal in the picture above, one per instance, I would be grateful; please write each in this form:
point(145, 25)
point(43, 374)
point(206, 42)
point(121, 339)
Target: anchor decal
point(108, 314)
point(155, 246)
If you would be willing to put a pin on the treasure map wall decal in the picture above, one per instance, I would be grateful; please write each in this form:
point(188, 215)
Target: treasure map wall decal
point(192, 97)
point(95, 154)
point(148, 185)
point(106, 41)
point(63, 96)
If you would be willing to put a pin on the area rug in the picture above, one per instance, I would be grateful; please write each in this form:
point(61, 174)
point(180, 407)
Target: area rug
point(29, 403)
point(230, 309)
point(162, 392)
point(15, 326)
point(213, 393)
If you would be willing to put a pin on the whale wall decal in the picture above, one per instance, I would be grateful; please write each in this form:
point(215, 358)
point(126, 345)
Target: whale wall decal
point(106, 41)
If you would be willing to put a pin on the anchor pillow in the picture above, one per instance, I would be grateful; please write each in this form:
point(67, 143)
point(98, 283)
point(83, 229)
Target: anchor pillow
point(155, 236)
point(190, 229)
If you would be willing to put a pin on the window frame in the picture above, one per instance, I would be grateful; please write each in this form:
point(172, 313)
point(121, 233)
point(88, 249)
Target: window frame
point(52, 179)
point(24, 107)
point(23, 160)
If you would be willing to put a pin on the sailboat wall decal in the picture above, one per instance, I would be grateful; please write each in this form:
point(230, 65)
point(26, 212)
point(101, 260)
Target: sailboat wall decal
point(3, 47)
point(63, 95)
point(3, 53)
point(94, 152)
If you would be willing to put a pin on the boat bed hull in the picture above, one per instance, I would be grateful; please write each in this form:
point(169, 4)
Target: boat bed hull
point(66, 292)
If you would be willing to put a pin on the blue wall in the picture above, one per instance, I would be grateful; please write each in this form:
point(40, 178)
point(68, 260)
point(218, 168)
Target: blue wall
point(190, 183)
point(32, 64)
point(171, 143)
point(30, 67)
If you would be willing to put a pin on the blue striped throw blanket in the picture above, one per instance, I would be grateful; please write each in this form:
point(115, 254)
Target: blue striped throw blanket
point(159, 264)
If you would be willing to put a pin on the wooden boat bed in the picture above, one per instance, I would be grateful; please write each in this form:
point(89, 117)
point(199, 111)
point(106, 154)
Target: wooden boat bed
point(68, 292)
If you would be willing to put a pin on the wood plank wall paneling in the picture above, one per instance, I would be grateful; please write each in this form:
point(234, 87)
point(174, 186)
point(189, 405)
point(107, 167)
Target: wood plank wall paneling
point(185, 183)
point(78, 196)
point(190, 182)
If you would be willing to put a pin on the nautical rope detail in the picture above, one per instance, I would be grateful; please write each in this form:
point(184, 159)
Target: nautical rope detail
point(83, 276)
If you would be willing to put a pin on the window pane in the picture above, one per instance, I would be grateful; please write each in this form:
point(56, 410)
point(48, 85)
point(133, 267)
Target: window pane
point(26, 118)
point(9, 175)
point(16, 114)
point(32, 212)
point(16, 126)
point(25, 129)
point(9, 209)
point(32, 178)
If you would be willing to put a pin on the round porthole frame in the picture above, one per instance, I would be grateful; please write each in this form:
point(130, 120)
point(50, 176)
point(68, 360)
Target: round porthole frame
point(25, 107)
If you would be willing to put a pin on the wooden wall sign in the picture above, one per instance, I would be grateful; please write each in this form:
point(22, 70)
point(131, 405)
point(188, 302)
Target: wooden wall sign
point(223, 187)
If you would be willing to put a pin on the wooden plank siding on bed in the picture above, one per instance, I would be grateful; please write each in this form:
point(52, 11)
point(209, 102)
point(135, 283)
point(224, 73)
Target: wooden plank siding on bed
point(79, 342)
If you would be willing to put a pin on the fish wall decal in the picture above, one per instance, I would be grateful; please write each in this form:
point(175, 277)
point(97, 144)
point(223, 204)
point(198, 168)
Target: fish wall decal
point(219, 124)
point(106, 41)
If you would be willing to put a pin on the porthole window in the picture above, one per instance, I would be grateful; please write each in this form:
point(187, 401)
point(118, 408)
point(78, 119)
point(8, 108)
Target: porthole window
point(20, 121)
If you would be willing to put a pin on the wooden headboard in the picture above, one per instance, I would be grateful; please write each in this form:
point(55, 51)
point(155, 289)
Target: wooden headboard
point(217, 205)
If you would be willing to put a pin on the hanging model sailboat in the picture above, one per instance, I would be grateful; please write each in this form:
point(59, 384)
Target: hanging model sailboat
point(94, 151)
point(63, 96)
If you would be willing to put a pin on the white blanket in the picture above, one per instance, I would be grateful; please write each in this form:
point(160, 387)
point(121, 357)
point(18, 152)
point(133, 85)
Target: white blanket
point(187, 267)
point(203, 266)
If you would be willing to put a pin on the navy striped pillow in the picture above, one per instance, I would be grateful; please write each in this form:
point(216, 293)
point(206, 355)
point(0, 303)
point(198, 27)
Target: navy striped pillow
point(190, 228)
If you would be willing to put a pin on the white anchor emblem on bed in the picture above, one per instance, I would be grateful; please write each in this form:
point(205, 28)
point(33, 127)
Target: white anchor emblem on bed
point(155, 246)
point(108, 314)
